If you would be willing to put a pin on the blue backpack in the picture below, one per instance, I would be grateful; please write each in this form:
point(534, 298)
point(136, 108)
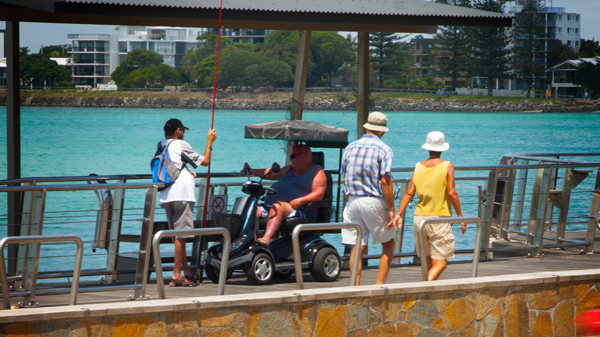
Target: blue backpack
point(163, 169)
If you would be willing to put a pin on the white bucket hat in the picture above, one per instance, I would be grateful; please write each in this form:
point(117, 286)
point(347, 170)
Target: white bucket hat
point(377, 122)
point(436, 142)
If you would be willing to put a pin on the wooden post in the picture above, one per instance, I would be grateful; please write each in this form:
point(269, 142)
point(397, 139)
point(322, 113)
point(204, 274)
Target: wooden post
point(362, 69)
point(297, 104)
point(13, 136)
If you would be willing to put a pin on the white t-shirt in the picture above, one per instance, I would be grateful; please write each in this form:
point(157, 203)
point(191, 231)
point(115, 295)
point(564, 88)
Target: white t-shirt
point(183, 189)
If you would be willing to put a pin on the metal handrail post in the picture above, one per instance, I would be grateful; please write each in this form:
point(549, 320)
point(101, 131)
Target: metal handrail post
point(324, 226)
point(451, 220)
point(399, 234)
point(141, 274)
point(40, 239)
point(594, 215)
point(196, 232)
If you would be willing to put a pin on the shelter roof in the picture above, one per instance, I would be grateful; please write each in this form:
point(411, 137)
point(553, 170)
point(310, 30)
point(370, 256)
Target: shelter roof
point(341, 15)
point(594, 60)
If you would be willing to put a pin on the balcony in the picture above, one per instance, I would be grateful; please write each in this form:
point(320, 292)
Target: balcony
point(550, 23)
point(90, 49)
point(88, 36)
point(91, 73)
point(86, 61)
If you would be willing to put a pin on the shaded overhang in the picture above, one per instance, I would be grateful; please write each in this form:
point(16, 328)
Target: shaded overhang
point(410, 16)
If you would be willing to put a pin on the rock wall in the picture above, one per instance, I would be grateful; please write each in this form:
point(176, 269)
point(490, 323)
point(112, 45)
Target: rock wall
point(381, 105)
point(538, 304)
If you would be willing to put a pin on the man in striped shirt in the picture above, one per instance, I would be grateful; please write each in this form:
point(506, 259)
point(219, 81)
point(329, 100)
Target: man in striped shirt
point(366, 167)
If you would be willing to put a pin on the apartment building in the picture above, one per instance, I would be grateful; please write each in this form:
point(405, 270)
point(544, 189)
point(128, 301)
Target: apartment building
point(424, 60)
point(240, 35)
point(96, 56)
point(559, 24)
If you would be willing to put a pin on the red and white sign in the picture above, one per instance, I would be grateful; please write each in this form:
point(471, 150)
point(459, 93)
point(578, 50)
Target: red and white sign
point(217, 204)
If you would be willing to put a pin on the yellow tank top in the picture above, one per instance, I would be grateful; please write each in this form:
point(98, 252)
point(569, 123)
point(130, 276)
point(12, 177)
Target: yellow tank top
point(430, 183)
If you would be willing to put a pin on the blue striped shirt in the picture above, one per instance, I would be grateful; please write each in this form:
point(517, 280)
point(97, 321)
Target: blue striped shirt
point(365, 162)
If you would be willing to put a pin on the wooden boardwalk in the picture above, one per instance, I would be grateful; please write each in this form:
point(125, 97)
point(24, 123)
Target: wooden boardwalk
point(553, 260)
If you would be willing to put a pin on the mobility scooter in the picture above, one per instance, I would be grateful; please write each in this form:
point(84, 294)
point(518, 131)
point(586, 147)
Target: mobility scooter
point(260, 264)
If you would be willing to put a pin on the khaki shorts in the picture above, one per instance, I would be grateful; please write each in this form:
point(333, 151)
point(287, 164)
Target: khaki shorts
point(439, 240)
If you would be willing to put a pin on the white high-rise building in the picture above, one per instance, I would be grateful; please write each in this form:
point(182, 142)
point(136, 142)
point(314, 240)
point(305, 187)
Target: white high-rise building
point(96, 56)
point(559, 26)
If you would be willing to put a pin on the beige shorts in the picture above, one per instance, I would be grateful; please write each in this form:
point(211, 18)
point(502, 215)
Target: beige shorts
point(439, 240)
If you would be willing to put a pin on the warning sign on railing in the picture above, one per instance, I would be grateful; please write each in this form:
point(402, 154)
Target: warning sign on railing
point(217, 204)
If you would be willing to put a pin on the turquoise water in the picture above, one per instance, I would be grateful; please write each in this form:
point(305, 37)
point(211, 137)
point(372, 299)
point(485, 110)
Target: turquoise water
point(80, 141)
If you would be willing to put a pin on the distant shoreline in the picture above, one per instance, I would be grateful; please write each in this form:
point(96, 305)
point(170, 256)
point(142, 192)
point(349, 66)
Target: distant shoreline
point(325, 101)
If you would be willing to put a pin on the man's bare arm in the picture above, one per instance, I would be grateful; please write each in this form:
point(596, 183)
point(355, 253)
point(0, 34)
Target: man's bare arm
point(388, 194)
point(318, 190)
point(270, 175)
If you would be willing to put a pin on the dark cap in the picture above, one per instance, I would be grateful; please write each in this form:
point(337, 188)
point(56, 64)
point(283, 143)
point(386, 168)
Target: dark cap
point(173, 124)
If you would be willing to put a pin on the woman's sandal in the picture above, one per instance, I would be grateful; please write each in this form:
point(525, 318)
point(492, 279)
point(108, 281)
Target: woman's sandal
point(262, 242)
point(181, 282)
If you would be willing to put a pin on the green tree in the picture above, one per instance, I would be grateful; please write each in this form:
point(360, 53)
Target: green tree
point(136, 59)
point(23, 51)
point(451, 54)
point(560, 52)
point(528, 36)
point(489, 47)
point(389, 57)
point(589, 48)
point(238, 66)
point(56, 50)
point(207, 48)
point(282, 45)
point(39, 68)
point(588, 75)
point(330, 52)
point(153, 76)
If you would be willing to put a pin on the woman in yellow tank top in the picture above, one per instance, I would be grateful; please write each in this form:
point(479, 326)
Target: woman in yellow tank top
point(433, 182)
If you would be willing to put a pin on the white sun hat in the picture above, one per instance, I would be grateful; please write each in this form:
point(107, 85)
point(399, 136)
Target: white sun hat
point(436, 142)
point(377, 122)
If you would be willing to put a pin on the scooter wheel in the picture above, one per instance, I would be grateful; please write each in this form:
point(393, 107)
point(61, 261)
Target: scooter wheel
point(213, 274)
point(326, 266)
point(261, 270)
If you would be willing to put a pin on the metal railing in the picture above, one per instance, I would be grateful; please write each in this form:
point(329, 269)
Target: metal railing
point(198, 233)
point(31, 279)
point(451, 220)
point(531, 212)
point(317, 227)
point(33, 220)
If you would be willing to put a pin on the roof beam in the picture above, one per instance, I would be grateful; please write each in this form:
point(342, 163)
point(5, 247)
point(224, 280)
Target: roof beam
point(186, 17)
point(42, 5)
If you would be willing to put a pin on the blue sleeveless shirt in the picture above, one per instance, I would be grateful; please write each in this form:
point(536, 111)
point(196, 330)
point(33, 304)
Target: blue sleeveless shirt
point(291, 187)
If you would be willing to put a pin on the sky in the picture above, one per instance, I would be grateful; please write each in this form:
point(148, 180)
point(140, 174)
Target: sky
point(34, 35)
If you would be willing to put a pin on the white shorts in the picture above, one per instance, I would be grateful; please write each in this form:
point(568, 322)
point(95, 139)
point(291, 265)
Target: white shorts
point(370, 214)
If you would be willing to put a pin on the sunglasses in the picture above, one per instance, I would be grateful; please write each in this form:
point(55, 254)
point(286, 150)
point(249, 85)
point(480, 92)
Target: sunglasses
point(294, 155)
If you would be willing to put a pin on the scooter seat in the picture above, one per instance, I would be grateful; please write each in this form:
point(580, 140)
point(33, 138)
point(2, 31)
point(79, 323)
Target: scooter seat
point(287, 225)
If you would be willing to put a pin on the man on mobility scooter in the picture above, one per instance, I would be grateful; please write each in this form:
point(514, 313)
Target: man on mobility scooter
point(298, 184)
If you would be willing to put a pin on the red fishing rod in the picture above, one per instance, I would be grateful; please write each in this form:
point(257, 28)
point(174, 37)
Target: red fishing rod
point(212, 123)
